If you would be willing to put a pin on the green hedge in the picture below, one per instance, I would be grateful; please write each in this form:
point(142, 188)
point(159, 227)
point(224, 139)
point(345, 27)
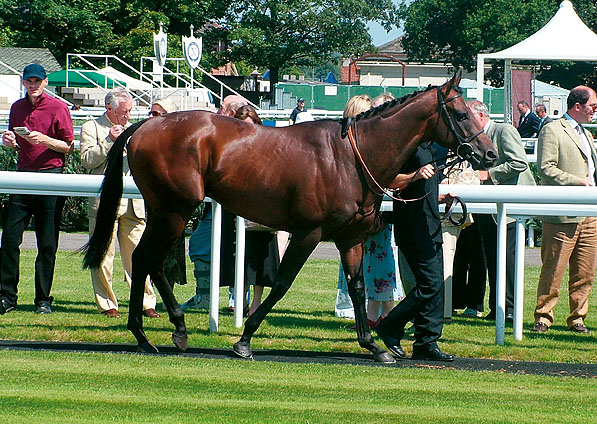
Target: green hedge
point(74, 215)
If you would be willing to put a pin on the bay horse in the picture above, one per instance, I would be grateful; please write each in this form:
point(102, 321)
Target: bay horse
point(306, 179)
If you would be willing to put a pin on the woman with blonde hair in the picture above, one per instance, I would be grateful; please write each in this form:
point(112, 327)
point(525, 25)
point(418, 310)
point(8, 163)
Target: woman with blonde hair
point(356, 105)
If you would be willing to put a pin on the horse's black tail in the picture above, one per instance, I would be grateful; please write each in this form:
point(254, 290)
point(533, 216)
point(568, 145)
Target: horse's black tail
point(111, 193)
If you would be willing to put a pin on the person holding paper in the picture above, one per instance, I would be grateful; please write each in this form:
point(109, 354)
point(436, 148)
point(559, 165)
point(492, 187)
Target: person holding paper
point(45, 134)
point(97, 138)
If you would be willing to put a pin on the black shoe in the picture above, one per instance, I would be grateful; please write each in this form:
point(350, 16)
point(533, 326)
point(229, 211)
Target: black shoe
point(392, 342)
point(579, 327)
point(540, 327)
point(432, 355)
point(509, 317)
point(6, 306)
point(44, 307)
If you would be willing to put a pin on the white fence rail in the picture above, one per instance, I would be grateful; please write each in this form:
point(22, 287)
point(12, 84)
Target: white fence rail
point(520, 202)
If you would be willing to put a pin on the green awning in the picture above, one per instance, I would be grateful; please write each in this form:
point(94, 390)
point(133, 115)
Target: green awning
point(82, 78)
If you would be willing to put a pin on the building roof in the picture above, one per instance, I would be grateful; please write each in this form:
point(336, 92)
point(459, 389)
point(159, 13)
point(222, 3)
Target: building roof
point(19, 57)
point(392, 47)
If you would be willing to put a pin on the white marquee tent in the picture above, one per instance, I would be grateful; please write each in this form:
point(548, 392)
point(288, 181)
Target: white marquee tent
point(564, 37)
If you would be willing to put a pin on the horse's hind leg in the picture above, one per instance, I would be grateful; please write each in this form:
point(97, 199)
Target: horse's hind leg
point(352, 262)
point(139, 275)
point(300, 247)
point(148, 258)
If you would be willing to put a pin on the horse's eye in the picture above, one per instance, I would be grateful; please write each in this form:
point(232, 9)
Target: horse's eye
point(461, 116)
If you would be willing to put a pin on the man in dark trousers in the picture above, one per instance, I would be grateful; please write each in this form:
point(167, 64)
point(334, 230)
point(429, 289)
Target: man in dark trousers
point(528, 126)
point(511, 168)
point(418, 233)
point(40, 129)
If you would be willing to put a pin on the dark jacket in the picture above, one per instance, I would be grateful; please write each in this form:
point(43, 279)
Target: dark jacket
point(529, 126)
point(421, 216)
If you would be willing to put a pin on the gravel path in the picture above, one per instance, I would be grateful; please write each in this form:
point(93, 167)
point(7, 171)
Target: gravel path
point(325, 250)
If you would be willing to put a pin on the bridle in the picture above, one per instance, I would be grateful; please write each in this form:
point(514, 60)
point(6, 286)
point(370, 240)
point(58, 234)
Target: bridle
point(464, 150)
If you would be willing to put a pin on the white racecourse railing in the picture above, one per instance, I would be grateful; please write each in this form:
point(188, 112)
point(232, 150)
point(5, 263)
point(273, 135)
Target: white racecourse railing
point(520, 202)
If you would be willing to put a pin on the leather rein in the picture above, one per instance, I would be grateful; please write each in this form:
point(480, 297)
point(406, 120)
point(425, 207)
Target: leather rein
point(464, 151)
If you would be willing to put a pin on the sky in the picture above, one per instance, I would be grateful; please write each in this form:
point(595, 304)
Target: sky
point(379, 35)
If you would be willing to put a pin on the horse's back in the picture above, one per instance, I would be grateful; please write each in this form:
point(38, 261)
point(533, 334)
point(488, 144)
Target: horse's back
point(270, 175)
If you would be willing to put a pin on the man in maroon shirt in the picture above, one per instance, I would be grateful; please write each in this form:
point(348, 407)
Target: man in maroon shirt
point(42, 144)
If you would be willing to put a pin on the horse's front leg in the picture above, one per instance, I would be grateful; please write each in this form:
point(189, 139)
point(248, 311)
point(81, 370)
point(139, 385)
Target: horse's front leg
point(352, 262)
point(298, 251)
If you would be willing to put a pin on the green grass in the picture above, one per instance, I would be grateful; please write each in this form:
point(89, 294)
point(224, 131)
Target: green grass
point(85, 388)
point(63, 387)
point(303, 320)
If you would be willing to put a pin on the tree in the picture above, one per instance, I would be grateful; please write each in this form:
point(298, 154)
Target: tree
point(273, 34)
point(456, 31)
point(121, 28)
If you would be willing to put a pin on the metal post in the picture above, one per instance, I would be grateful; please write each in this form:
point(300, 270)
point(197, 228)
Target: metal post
point(500, 307)
point(531, 235)
point(214, 287)
point(519, 279)
point(239, 272)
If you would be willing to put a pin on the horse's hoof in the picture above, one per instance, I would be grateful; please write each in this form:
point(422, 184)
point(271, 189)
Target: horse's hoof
point(384, 357)
point(180, 341)
point(243, 350)
point(147, 347)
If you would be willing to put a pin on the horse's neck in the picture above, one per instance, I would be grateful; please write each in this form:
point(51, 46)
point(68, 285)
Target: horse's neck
point(387, 142)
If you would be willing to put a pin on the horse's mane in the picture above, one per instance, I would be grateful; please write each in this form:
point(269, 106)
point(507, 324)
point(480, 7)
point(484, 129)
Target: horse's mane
point(347, 121)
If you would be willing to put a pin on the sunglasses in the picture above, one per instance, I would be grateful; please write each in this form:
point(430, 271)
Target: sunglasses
point(154, 113)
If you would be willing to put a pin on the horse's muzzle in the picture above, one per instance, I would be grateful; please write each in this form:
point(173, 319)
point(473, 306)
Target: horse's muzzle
point(486, 161)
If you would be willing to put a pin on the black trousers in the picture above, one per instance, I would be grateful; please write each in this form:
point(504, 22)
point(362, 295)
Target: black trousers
point(488, 229)
point(46, 211)
point(469, 276)
point(424, 303)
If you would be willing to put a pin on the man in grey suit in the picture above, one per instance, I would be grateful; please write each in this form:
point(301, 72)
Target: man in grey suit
point(544, 118)
point(566, 156)
point(511, 168)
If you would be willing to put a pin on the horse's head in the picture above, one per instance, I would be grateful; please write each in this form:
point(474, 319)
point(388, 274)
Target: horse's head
point(459, 130)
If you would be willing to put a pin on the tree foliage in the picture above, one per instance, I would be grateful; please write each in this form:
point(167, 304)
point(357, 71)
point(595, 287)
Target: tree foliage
point(457, 30)
point(275, 33)
point(121, 28)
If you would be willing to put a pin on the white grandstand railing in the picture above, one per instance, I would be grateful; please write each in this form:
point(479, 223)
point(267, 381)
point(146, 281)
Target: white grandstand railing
point(520, 202)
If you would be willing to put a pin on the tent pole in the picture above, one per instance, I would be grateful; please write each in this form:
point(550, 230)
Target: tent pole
point(508, 91)
point(480, 76)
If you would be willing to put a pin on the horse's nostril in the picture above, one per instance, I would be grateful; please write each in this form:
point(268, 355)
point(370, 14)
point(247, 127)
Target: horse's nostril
point(490, 154)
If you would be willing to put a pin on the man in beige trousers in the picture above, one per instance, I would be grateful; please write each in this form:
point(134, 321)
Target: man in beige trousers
point(566, 157)
point(97, 138)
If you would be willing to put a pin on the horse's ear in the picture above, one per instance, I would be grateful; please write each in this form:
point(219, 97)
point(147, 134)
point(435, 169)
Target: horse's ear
point(454, 82)
point(456, 78)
